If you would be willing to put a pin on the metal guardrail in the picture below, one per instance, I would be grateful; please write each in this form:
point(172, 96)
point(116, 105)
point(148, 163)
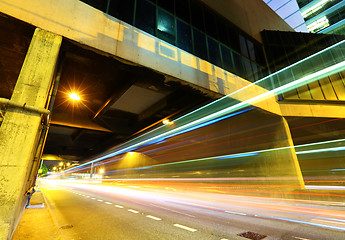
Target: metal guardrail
point(8, 103)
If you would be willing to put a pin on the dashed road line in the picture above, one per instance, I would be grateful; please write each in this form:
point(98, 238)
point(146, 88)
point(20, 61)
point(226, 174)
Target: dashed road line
point(99, 200)
point(153, 217)
point(118, 206)
point(238, 213)
point(108, 203)
point(302, 238)
point(185, 227)
point(133, 211)
point(93, 198)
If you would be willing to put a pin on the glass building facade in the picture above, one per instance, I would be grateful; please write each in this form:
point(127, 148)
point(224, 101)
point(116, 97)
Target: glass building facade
point(194, 27)
point(288, 10)
point(324, 16)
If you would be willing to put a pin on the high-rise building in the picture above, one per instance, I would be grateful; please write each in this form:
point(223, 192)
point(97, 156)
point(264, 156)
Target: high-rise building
point(289, 11)
point(323, 16)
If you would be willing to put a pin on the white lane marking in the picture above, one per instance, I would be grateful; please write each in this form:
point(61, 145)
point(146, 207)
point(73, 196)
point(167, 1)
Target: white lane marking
point(302, 238)
point(83, 195)
point(185, 227)
point(107, 202)
point(154, 218)
point(93, 198)
point(87, 196)
point(173, 210)
point(238, 213)
point(100, 200)
point(133, 211)
point(118, 206)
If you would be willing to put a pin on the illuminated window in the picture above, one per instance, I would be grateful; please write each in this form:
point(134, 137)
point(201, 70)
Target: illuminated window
point(166, 26)
point(318, 25)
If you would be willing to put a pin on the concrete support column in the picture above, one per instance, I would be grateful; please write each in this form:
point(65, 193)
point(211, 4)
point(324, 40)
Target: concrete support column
point(21, 128)
point(294, 160)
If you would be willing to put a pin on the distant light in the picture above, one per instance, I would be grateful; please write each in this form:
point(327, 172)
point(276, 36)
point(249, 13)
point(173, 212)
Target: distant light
point(54, 168)
point(61, 164)
point(68, 164)
point(167, 122)
point(74, 96)
point(101, 171)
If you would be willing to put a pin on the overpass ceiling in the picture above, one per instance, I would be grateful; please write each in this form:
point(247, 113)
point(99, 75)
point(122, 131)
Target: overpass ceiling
point(118, 98)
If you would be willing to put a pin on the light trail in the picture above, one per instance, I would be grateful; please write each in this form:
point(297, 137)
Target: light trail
point(201, 121)
point(307, 212)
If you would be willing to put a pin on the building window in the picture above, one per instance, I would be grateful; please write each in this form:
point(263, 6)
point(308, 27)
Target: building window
point(197, 16)
point(199, 44)
point(145, 16)
point(99, 4)
point(184, 36)
point(213, 52)
point(227, 59)
point(122, 10)
point(165, 26)
point(210, 24)
point(182, 10)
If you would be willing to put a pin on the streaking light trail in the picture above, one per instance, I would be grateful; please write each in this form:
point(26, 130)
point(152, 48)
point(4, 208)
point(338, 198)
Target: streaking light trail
point(205, 119)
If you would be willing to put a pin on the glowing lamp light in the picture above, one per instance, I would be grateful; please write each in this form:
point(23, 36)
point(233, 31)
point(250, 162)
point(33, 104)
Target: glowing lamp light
point(68, 164)
point(74, 96)
point(61, 164)
point(167, 122)
point(101, 171)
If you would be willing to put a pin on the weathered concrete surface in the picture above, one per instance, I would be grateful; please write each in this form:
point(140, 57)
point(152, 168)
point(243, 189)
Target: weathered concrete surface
point(313, 110)
point(20, 130)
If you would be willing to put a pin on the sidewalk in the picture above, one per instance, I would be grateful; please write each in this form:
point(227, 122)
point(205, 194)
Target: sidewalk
point(37, 221)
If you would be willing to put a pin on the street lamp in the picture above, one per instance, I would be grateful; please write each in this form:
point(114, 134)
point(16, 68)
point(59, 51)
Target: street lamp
point(68, 164)
point(167, 122)
point(74, 96)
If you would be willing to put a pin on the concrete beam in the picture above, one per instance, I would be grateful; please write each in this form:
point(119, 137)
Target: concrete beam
point(303, 109)
point(21, 129)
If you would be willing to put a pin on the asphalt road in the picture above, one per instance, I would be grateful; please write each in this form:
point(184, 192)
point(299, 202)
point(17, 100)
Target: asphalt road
point(133, 211)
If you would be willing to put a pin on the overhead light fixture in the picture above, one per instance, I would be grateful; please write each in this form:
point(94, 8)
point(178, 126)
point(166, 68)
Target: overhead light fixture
point(74, 96)
point(167, 122)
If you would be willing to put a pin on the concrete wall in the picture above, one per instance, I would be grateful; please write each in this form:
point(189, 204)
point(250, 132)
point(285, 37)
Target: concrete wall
point(252, 16)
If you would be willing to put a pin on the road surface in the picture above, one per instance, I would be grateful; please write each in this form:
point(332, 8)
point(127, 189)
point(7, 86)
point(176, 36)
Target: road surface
point(148, 211)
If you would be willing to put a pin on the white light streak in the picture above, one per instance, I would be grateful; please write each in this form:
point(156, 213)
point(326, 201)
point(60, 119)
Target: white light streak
point(238, 213)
